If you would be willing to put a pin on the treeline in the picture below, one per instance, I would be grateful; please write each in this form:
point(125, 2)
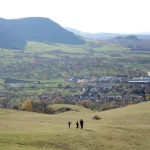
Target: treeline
point(36, 106)
point(39, 106)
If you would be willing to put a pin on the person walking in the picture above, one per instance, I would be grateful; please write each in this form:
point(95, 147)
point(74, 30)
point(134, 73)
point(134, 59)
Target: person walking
point(77, 125)
point(81, 124)
point(69, 124)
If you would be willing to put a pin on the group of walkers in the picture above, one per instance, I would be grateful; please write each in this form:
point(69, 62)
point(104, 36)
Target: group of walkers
point(77, 124)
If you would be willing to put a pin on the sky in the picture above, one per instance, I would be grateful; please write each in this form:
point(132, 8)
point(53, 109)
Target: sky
point(93, 16)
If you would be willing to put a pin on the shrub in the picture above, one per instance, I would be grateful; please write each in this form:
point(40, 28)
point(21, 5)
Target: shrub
point(16, 107)
point(85, 103)
point(27, 105)
point(96, 117)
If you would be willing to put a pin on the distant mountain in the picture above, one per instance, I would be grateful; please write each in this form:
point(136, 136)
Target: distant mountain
point(133, 42)
point(105, 36)
point(143, 36)
point(128, 37)
point(9, 38)
point(76, 32)
point(14, 33)
point(100, 36)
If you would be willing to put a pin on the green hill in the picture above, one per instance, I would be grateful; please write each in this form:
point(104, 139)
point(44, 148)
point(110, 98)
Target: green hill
point(14, 33)
point(57, 107)
point(123, 128)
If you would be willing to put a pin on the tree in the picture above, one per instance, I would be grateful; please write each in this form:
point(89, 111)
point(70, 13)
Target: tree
point(4, 102)
point(27, 105)
point(59, 86)
point(57, 100)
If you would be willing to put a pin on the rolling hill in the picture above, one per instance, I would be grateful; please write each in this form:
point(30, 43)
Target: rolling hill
point(14, 33)
point(123, 128)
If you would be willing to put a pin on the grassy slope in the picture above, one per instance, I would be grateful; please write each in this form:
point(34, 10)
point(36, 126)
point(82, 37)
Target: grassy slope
point(124, 128)
point(73, 107)
point(41, 47)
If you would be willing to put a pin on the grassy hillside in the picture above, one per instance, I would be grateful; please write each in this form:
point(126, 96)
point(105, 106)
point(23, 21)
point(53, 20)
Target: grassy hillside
point(124, 128)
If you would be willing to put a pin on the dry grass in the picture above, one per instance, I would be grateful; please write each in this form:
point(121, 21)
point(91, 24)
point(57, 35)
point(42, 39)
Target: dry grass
point(124, 128)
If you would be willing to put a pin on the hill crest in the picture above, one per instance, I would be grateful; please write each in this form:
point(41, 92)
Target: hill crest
point(14, 33)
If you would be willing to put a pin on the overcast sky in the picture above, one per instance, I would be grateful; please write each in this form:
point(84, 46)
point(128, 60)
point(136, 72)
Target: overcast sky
point(116, 16)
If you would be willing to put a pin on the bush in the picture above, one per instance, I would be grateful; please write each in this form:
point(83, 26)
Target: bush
point(16, 107)
point(85, 103)
point(27, 105)
point(49, 110)
point(96, 117)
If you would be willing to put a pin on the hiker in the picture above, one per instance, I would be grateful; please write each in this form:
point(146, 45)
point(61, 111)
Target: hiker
point(69, 123)
point(81, 123)
point(77, 124)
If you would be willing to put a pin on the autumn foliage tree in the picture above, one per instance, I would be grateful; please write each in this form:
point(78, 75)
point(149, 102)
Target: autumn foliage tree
point(27, 105)
point(35, 106)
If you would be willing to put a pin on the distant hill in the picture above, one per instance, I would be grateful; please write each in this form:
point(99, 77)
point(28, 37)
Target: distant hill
point(128, 37)
point(9, 38)
point(105, 36)
point(133, 42)
point(143, 36)
point(76, 32)
point(100, 36)
point(14, 33)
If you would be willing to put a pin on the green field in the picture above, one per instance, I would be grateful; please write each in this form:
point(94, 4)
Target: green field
point(101, 49)
point(119, 129)
point(41, 47)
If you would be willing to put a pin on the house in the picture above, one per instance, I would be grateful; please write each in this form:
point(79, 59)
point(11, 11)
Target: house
point(141, 80)
point(123, 77)
point(72, 79)
point(105, 86)
point(81, 80)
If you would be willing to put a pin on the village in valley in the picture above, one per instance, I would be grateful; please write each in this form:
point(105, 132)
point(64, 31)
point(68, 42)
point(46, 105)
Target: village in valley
point(98, 74)
point(100, 89)
point(100, 93)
